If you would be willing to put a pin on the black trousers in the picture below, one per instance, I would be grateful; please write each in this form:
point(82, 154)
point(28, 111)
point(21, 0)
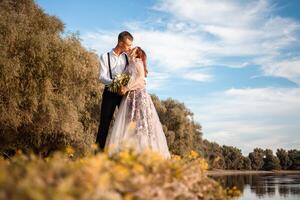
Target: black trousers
point(110, 101)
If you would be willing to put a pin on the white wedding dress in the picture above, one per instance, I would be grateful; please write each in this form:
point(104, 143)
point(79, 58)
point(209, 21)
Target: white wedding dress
point(137, 123)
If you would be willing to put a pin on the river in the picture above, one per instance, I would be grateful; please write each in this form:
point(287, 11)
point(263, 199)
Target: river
point(263, 186)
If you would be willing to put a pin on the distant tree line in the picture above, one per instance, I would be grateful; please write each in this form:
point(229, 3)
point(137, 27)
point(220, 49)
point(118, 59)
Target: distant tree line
point(228, 157)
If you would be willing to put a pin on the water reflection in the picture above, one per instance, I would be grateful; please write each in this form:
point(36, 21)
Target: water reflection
point(264, 186)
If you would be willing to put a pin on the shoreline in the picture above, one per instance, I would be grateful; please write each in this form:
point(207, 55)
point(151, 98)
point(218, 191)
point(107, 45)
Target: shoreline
point(222, 172)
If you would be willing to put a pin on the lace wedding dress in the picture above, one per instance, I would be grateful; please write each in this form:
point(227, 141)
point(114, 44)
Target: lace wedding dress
point(137, 124)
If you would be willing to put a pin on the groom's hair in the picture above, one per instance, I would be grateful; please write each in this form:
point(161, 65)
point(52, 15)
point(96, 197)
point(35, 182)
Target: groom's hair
point(124, 35)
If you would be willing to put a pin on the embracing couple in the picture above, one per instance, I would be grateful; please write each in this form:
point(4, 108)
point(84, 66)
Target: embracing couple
point(136, 123)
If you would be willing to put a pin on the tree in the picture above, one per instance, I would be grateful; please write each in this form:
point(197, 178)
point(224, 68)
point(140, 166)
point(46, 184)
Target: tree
point(233, 157)
point(270, 161)
point(182, 132)
point(49, 88)
point(212, 151)
point(246, 163)
point(256, 158)
point(294, 157)
point(283, 157)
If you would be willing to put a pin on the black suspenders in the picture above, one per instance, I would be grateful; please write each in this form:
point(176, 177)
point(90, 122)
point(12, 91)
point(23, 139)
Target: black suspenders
point(126, 61)
point(108, 57)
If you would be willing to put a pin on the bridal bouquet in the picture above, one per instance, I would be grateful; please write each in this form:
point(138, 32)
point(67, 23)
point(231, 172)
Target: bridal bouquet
point(120, 80)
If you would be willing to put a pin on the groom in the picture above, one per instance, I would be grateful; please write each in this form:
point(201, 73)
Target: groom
point(111, 64)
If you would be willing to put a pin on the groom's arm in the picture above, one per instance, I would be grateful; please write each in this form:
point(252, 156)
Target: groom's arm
point(104, 70)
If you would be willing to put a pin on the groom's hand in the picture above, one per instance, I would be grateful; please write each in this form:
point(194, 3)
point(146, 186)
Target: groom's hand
point(123, 90)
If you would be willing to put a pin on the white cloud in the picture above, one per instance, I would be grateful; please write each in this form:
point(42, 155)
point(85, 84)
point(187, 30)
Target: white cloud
point(156, 80)
point(100, 41)
point(233, 13)
point(167, 49)
point(266, 117)
point(236, 28)
point(171, 50)
point(198, 76)
point(289, 69)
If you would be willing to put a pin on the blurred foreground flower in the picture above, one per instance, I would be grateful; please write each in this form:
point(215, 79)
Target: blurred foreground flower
point(69, 151)
point(193, 154)
point(233, 192)
point(123, 175)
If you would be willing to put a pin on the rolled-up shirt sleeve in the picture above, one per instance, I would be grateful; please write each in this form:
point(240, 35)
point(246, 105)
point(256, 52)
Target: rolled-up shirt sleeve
point(104, 71)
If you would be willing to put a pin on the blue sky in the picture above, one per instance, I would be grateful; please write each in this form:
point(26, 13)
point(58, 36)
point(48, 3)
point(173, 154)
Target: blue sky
point(235, 64)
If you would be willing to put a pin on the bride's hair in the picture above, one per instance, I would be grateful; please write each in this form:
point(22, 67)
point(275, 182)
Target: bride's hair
point(140, 53)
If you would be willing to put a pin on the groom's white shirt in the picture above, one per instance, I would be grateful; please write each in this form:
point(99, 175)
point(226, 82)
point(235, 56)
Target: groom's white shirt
point(117, 63)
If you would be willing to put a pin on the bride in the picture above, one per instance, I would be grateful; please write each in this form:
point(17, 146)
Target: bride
point(137, 124)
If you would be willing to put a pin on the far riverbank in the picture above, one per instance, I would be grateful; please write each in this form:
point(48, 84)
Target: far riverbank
point(220, 172)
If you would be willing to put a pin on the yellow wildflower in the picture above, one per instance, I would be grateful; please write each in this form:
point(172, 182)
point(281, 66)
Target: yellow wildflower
point(176, 157)
point(125, 156)
point(203, 164)
point(138, 168)
point(120, 172)
point(153, 155)
point(94, 147)
point(69, 150)
point(233, 192)
point(193, 154)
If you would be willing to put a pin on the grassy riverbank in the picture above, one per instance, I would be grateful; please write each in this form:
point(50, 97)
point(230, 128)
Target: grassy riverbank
point(126, 175)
